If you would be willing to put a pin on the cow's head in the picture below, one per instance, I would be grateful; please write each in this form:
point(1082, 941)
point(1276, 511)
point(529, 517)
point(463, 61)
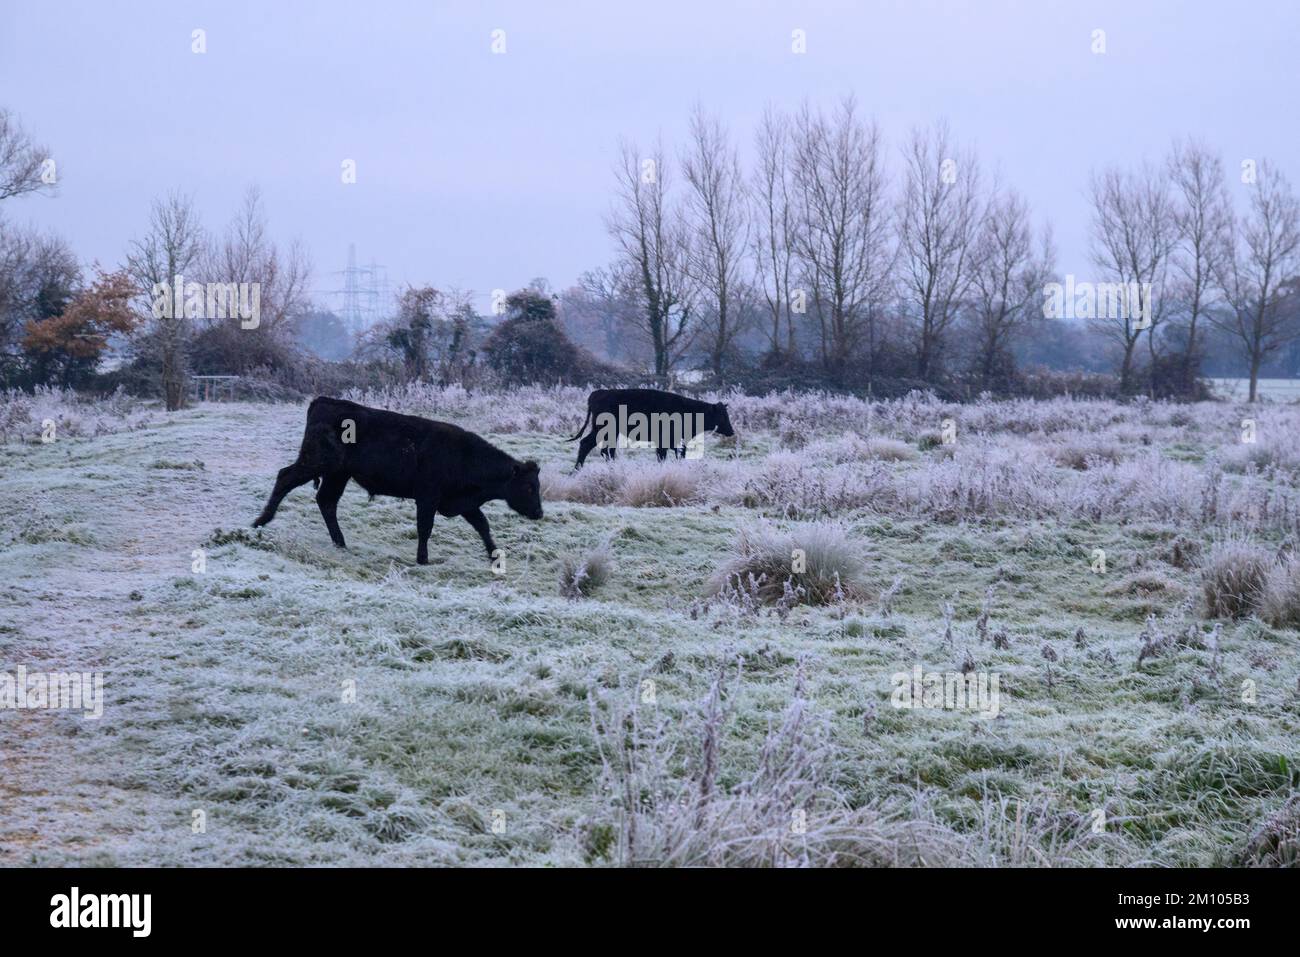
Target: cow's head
point(718, 421)
point(524, 490)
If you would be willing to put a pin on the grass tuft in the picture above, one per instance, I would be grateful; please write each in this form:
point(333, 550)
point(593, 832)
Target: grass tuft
point(1279, 600)
point(1233, 576)
point(815, 563)
point(581, 576)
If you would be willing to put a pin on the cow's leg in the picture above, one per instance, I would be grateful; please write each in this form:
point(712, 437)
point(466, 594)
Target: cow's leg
point(584, 449)
point(331, 490)
point(289, 478)
point(320, 454)
point(424, 509)
point(609, 453)
point(680, 452)
point(661, 453)
point(478, 521)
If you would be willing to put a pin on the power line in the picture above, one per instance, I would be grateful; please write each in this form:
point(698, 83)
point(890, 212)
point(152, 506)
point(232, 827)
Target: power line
point(365, 296)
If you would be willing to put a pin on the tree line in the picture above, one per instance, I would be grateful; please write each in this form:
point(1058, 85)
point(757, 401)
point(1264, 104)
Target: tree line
point(56, 324)
point(917, 262)
point(830, 258)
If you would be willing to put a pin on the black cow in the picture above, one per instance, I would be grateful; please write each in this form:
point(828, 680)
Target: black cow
point(669, 420)
point(443, 467)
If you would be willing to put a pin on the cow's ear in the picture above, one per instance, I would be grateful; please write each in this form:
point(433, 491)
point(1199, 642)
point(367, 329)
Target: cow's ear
point(532, 467)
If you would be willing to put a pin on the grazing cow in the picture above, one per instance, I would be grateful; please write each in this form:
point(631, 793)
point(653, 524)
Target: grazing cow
point(666, 419)
point(446, 469)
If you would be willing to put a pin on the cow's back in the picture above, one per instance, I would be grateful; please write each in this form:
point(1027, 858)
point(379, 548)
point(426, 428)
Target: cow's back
point(386, 453)
point(403, 455)
point(334, 412)
point(645, 401)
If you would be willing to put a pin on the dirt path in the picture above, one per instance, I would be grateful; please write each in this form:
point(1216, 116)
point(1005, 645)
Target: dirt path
point(72, 606)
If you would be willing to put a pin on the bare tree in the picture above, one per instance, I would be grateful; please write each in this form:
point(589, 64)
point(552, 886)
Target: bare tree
point(39, 276)
point(652, 240)
point(37, 272)
point(603, 301)
point(1203, 215)
point(1134, 231)
point(719, 233)
point(173, 245)
point(21, 160)
point(15, 298)
point(842, 230)
point(939, 224)
point(774, 220)
point(1263, 259)
point(247, 254)
point(1007, 281)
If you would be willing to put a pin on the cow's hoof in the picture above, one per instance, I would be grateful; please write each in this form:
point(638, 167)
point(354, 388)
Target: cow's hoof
point(260, 521)
point(422, 560)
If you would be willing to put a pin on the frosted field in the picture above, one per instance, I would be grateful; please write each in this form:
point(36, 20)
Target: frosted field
point(1272, 390)
point(497, 721)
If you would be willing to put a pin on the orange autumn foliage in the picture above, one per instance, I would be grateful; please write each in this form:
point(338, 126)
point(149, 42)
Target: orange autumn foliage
point(81, 333)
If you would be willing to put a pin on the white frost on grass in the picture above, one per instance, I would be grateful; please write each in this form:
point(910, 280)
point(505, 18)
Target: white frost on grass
point(328, 707)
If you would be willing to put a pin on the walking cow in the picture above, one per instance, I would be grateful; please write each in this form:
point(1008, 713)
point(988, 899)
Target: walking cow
point(664, 419)
point(446, 469)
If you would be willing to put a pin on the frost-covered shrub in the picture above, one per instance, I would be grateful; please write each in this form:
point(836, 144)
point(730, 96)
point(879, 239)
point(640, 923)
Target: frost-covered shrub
point(1262, 455)
point(851, 447)
point(599, 483)
point(1182, 552)
point(813, 564)
point(1160, 638)
point(23, 416)
point(596, 484)
point(794, 487)
point(582, 574)
point(1275, 842)
point(979, 481)
point(15, 414)
point(663, 801)
point(638, 484)
point(929, 439)
point(1233, 576)
point(1142, 583)
point(665, 485)
point(1279, 600)
point(793, 437)
point(669, 806)
point(890, 450)
point(1084, 452)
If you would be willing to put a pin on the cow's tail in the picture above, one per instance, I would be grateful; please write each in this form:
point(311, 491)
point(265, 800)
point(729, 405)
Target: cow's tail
point(582, 428)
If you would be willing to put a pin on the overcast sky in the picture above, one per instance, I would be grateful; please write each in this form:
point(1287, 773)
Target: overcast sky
point(482, 170)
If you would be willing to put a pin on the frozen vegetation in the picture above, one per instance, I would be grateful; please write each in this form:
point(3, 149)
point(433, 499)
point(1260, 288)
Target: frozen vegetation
point(650, 680)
